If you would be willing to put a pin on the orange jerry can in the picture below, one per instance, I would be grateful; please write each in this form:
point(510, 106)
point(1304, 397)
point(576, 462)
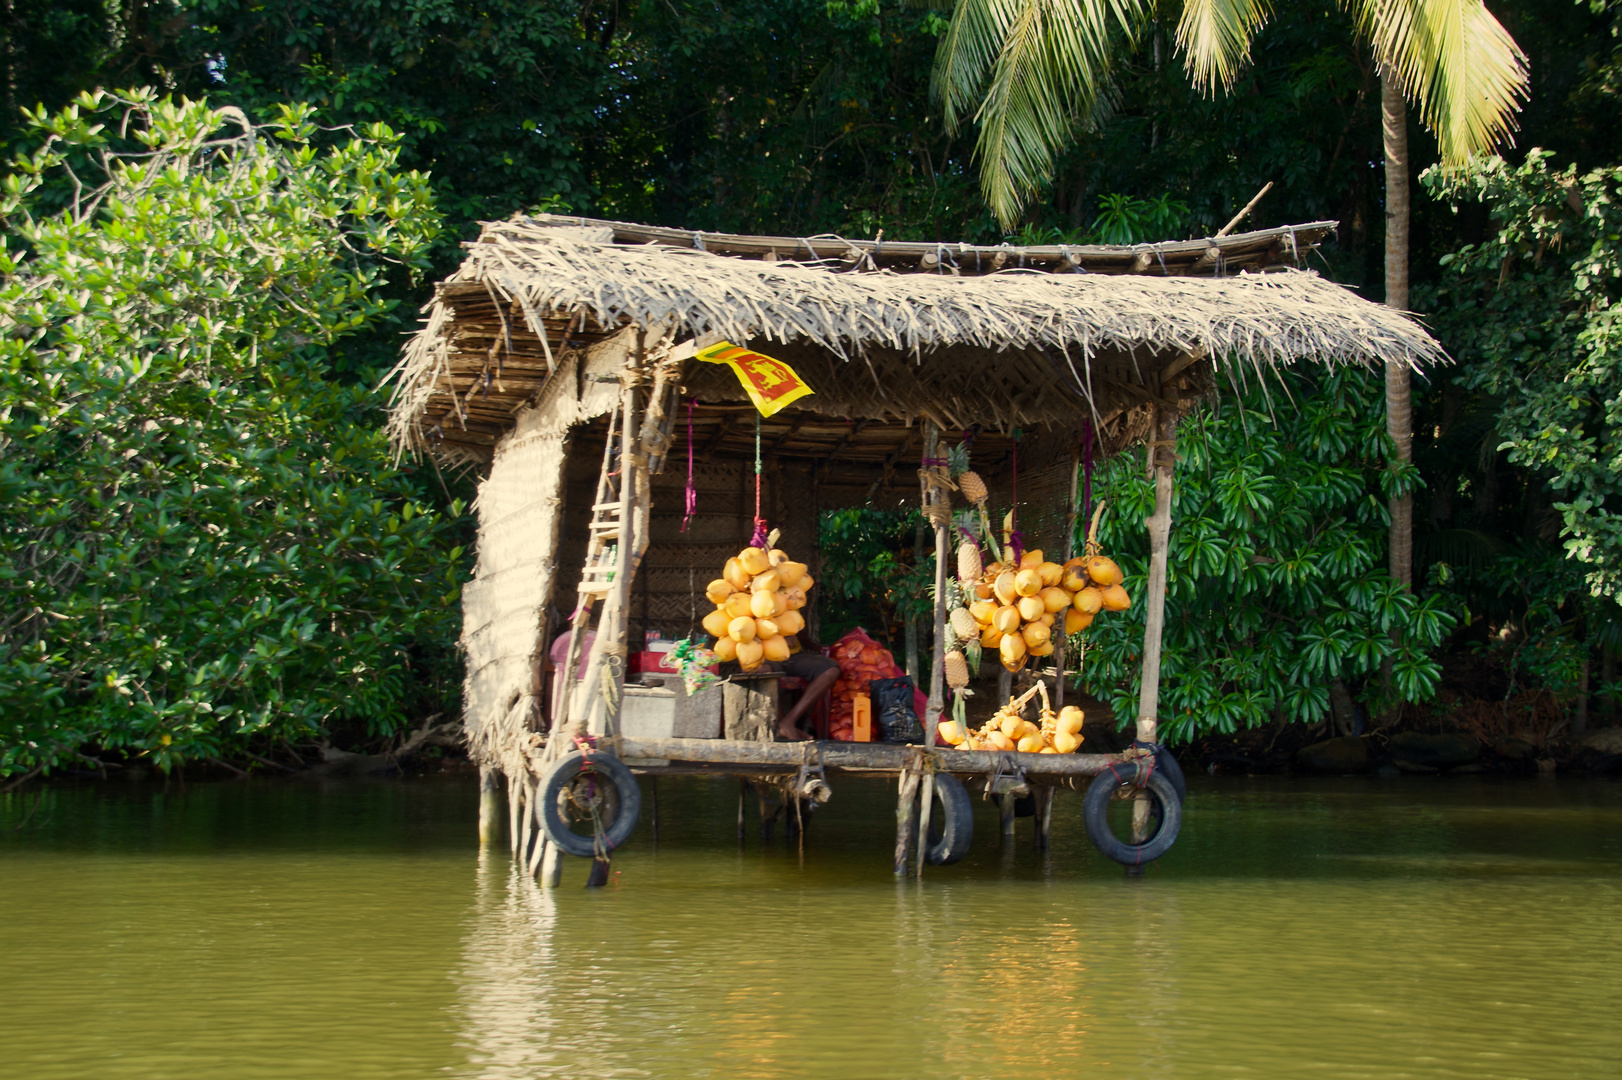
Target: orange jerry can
point(861, 718)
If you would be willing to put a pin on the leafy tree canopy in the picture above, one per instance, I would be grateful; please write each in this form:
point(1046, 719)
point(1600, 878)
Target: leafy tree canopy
point(203, 541)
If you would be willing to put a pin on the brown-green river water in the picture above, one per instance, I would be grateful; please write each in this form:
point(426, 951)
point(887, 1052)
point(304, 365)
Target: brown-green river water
point(1424, 928)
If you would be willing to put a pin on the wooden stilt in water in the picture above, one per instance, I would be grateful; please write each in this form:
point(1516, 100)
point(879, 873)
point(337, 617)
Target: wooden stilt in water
point(1142, 813)
point(743, 793)
point(1005, 810)
point(598, 877)
point(515, 800)
point(1044, 815)
point(926, 810)
point(906, 818)
point(489, 804)
point(653, 799)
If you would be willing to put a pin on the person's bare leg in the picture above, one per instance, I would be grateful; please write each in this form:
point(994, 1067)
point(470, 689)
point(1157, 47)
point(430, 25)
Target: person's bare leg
point(788, 723)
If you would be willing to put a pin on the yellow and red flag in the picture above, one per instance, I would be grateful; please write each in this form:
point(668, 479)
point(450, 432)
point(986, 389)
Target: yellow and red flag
point(771, 384)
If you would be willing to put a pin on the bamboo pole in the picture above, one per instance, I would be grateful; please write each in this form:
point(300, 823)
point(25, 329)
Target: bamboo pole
point(926, 810)
point(1162, 458)
point(489, 804)
point(937, 671)
point(611, 632)
point(906, 817)
point(1069, 553)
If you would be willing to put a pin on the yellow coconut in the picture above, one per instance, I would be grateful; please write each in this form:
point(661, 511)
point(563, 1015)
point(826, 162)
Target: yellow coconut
point(735, 575)
point(951, 732)
point(776, 648)
point(777, 557)
point(1070, 719)
point(1031, 559)
point(716, 623)
point(1089, 600)
point(1054, 598)
point(1044, 649)
point(990, 637)
point(1003, 587)
point(790, 573)
point(737, 604)
point(983, 610)
point(1031, 744)
point(750, 654)
point(1012, 650)
point(1047, 620)
point(805, 583)
point(1005, 620)
point(1076, 621)
point(1035, 634)
point(717, 591)
point(1030, 608)
point(983, 591)
point(1065, 743)
point(754, 560)
point(1028, 582)
point(767, 628)
point(767, 582)
point(763, 605)
point(1103, 570)
point(1115, 598)
point(1052, 573)
point(741, 629)
point(726, 649)
point(790, 622)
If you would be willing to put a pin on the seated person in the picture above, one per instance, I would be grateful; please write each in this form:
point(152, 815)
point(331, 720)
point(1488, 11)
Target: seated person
point(805, 662)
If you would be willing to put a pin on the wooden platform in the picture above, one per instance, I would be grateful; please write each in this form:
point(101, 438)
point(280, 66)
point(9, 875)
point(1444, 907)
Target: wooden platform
point(729, 755)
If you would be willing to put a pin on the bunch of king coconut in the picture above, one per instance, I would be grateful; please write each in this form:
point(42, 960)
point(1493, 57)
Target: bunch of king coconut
point(1015, 606)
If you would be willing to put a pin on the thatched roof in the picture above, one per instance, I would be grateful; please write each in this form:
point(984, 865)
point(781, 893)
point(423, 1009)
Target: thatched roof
point(1014, 347)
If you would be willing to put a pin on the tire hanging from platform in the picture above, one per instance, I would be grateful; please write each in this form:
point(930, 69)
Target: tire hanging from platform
point(583, 785)
point(951, 824)
point(1167, 815)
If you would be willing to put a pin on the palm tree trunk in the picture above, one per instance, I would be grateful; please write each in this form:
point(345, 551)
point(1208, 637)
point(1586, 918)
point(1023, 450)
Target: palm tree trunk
point(1398, 401)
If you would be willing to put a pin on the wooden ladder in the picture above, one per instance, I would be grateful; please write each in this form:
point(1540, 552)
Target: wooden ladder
point(607, 523)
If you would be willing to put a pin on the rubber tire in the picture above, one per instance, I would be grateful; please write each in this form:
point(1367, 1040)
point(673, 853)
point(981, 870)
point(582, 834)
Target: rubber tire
point(1174, 772)
point(561, 773)
point(1095, 814)
point(951, 822)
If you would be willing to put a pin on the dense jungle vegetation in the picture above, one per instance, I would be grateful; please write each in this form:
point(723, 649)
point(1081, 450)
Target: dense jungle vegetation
point(207, 550)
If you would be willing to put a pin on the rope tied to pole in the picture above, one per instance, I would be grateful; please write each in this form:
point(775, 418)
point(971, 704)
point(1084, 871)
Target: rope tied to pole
point(692, 491)
point(934, 475)
point(759, 538)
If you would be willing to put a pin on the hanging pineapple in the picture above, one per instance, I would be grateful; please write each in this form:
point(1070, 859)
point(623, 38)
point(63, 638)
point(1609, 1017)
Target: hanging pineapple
point(968, 481)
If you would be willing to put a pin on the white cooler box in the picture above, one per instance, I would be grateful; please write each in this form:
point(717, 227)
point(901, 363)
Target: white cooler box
point(666, 712)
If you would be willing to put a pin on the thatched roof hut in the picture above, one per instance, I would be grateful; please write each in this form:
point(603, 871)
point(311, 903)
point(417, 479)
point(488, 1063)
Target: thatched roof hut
point(554, 323)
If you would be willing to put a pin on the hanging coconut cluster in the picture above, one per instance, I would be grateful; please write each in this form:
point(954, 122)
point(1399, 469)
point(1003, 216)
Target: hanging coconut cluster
point(1019, 606)
point(757, 601)
point(1052, 732)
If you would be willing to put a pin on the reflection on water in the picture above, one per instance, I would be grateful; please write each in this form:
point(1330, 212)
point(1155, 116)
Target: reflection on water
point(1418, 928)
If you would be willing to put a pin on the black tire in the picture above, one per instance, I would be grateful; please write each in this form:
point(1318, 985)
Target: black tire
point(573, 785)
point(1166, 818)
point(1174, 772)
point(951, 822)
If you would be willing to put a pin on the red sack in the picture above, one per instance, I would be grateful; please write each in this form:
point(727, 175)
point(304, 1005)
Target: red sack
point(860, 660)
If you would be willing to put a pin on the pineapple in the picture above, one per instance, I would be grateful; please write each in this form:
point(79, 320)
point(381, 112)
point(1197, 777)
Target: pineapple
point(963, 624)
point(968, 481)
point(957, 670)
point(968, 564)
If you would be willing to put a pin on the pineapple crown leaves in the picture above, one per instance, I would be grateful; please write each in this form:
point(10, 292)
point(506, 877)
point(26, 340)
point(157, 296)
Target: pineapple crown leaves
point(957, 460)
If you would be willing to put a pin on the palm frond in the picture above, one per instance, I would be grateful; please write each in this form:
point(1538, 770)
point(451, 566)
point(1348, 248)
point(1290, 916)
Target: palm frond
point(1457, 63)
point(1043, 67)
point(1215, 35)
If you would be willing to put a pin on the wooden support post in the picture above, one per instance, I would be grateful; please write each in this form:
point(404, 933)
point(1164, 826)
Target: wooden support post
point(906, 817)
point(489, 804)
point(937, 670)
point(598, 877)
point(743, 792)
point(653, 806)
point(1069, 551)
point(1044, 815)
point(551, 872)
point(1142, 812)
point(926, 810)
point(1005, 812)
point(1162, 458)
point(515, 802)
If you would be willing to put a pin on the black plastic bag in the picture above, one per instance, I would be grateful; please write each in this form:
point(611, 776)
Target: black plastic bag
point(893, 710)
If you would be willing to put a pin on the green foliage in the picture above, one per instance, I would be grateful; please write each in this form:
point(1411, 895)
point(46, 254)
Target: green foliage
point(1532, 313)
point(1275, 585)
point(203, 540)
point(872, 575)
